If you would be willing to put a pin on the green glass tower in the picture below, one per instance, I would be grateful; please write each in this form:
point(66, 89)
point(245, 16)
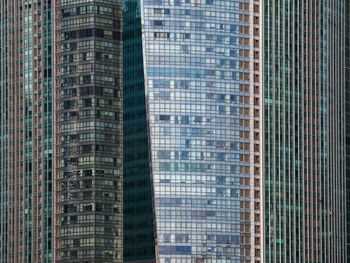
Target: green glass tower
point(139, 238)
point(304, 130)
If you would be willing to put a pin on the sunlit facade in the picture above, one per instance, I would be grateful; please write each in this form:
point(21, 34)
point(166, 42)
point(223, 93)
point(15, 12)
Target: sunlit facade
point(200, 87)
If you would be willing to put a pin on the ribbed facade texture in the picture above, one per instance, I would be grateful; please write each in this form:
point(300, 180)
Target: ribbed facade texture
point(61, 181)
point(88, 131)
point(347, 121)
point(25, 131)
point(304, 160)
point(192, 116)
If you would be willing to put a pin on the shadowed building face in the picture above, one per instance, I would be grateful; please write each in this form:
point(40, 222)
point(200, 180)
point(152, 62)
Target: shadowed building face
point(88, 131)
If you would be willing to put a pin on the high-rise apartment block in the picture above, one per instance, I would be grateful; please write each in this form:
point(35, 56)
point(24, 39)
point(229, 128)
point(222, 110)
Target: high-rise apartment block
point(174, 131)
point(88, 131)
point(88, 111)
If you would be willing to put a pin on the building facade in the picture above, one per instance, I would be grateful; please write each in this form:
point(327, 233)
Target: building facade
point(288, 84)
point(347, 121)
point(26, 128)
point(88, 131)
point(174, 131)
point(304, 131)
point(139, 239)
point(61, 131)
point(192, 117)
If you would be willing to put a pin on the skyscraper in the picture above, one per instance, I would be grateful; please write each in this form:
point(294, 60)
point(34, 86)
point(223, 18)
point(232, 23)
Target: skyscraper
point(234, 110)
point(88, 131)
point(304, 131)
point(347, 121)
point(174, 131)
point(26, 132)
point(61, 180)
point(192, 131)
point(139, 235)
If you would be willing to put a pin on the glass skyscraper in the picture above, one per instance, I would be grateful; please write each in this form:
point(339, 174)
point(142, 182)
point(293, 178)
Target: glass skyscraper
point(192, 131)
point(304, 131)
point(239, 113)
point(347, 122)
point(88, 131)
point(174, 131)
point(61, 131)
point(139, 239)
point(26, 132)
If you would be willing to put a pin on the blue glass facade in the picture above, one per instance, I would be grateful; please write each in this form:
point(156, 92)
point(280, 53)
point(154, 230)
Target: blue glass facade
point(201, 69)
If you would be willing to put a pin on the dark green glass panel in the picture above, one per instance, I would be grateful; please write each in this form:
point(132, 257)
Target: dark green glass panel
point(138, 212)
